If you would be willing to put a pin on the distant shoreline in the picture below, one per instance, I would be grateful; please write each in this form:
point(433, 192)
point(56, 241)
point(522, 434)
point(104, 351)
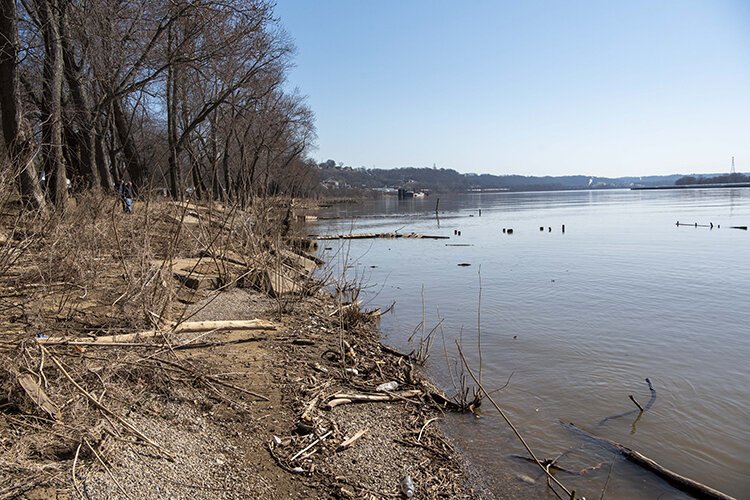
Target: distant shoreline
point(695, 186)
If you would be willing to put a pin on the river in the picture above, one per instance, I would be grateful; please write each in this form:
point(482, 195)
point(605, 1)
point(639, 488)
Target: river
point(574, 322)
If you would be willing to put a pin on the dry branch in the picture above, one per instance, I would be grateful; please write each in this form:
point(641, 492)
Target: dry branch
point(104, 409)
point(343, 398)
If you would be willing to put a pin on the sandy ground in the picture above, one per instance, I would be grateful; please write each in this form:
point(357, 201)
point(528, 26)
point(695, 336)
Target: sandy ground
point(241, 447)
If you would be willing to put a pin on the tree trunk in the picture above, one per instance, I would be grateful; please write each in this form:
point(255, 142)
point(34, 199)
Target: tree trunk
point(16, 130)
point(102, 157)
point(175, 177)
point(228, 189)
point(132, 159)
point(82, 117)
point(52, 80)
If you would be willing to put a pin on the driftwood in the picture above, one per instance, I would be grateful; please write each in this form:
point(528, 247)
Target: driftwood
point(344, 398)
point(362, 236)
point(205, 326)
point(185, 327)
point(682, 483)
point(176, 347)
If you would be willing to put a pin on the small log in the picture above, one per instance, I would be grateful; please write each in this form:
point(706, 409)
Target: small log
point(343, 398)
point(205, 326)
point(184, 327)
point(682, 483)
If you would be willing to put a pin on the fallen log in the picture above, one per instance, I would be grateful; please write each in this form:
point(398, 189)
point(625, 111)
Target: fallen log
point(126, 339)
point(682, 483)
point(232, 324)
point(343, 398)
point(361, 236)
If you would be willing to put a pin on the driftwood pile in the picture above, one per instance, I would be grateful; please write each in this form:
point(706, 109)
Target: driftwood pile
point(358, 380)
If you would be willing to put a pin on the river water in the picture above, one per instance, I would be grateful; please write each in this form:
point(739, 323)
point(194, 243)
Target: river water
point(577, 321)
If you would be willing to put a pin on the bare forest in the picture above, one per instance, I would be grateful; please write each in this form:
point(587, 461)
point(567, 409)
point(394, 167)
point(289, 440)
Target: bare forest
point(178, 97)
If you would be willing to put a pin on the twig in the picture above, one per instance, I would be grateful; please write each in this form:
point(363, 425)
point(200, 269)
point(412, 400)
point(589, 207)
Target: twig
point(303, 450)
point(209, 377)
point(109, 471)
point(513, 427)
point(609, 474)
point(75, 461)
point(636, 402)
point(506, 384)
point(424, 427)
point(103, 408)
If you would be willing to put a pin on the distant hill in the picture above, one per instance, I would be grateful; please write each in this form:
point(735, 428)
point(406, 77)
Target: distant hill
point(336, 177)
point(717, 179)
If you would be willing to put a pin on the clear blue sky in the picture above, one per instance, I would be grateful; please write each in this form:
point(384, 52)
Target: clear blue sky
point(607, 88)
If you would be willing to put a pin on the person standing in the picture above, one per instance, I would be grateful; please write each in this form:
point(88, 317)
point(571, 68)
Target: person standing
point(127, 198)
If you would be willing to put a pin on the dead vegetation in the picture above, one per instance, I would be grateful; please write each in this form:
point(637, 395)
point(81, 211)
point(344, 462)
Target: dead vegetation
point(100, 349)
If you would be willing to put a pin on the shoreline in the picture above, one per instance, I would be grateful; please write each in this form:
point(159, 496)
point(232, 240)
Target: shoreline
point(220, 413)
point(299, 374)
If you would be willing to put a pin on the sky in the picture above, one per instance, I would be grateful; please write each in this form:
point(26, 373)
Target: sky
point(604, 88)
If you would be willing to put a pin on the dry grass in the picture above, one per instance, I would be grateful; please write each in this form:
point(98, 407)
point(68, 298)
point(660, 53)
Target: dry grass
point(90, 271)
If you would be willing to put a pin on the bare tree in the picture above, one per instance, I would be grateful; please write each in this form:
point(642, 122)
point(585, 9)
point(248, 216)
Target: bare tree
point(16, 130)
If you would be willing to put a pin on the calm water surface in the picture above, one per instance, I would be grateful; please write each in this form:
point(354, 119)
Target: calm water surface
point(579, 319)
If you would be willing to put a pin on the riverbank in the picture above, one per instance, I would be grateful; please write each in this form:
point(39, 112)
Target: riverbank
point(122, 378)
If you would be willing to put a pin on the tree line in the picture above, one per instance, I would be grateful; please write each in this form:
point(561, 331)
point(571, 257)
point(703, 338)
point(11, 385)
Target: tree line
point(173, 95)
point(717, 179)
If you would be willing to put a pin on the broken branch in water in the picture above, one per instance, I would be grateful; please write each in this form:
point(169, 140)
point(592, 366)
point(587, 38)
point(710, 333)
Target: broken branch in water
point(571, 494)
point(636, 402)
point(641, 409)
point(698, 490)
